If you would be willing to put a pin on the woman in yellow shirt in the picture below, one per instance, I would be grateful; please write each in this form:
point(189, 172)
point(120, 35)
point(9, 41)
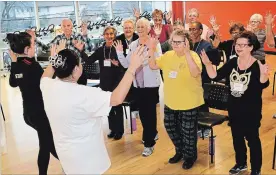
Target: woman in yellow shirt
point(183, 94)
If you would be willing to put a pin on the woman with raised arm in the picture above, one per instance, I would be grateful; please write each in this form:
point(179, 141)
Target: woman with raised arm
point(26, 74)
point(182, 80)
point(76, 112)
point(146, 84)
point(248, 77)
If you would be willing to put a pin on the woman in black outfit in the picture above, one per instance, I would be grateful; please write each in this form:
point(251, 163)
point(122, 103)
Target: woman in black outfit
point(111, 73)
point(26, 73)
point(248, 77)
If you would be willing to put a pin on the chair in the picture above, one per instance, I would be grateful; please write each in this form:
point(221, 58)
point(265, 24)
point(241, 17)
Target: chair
point(274, 155)
point(2, 112)
point(216, 96)
point(124, 105)
point(92, 70)
point(273, 83)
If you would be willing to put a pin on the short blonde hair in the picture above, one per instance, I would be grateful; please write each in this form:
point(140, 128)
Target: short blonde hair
point(182, 33)
point(193, 10)
point(110, 27)
point(129, 21)
point(257, 16)
point(157, 12)
point(144, 21)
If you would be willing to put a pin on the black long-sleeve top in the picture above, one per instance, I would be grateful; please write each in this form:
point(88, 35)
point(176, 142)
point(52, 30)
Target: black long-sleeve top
point(243, 106)
point(26, 73)
point(109, 76)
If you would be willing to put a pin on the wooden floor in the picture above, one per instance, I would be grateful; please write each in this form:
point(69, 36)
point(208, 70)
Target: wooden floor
point(125, 154)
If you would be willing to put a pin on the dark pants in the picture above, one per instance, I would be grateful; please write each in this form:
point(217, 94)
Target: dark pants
point(251, 134)
point(146, 99)
point(116, 119)
point(181, 126)
point(46, 143)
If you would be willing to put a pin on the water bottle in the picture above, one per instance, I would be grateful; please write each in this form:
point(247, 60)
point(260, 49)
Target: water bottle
point(133, 121)
point(212, 147)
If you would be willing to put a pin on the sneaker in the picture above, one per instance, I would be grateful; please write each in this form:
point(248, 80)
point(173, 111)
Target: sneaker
point(118, 136)
point(255, 172)
point(206, 133)
point(237, 169)
point(274, 116)
point(111, 134)
point(176, 158)
point(187, 164)
point(147, 151)
point(155, 138)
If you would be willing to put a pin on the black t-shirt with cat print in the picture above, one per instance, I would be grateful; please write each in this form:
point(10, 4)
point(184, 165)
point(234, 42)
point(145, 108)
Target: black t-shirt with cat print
point(245, 91)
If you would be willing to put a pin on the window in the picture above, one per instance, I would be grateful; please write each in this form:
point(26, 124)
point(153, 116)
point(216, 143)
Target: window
point(52, 12)
point(16, 16)
point(95, 12)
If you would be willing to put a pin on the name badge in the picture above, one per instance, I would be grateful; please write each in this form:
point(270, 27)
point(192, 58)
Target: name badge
point(238, 87)
point(173, 74)
point(107, 63)
point(127, 51)
point(232, 56)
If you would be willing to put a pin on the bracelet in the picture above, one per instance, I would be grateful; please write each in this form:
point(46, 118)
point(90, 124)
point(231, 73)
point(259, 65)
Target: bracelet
point(131, 73)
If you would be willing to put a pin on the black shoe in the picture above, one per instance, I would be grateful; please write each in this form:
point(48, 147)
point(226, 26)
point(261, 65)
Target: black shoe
point(176, 158)
point(255, 172)
point(237, 169)
point(111, 135)
point(187, 164)
point(118, 136)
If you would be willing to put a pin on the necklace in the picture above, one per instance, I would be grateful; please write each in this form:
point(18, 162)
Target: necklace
point(246, 65)
point(198, 45)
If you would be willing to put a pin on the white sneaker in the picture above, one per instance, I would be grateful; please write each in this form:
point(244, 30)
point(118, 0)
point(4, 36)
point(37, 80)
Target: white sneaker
point(155, 138)
point(147, 151)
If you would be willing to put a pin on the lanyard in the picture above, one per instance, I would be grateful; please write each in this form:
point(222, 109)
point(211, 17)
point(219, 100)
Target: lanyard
point(109, 53)
point(198, 45)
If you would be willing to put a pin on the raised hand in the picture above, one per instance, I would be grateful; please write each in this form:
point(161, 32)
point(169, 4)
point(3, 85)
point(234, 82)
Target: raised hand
point(204, 57)
point(13, 56)
point(152, 42)
point(84, 29)
point(187, 46)
point(79, 45)
point(53, 49)
point(61, 45)
point(264, 69)
point(114, 62)
point(168, 16)
point(118, 45)
point(137, 58)
point(213, 20)
point(210, 32)
point(136, 13)
point(249, 28)
point(231, 23)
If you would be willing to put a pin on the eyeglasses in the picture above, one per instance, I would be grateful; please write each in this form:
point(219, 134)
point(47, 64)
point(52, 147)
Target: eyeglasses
point(177, 42)
point(241, 45)
point(255, 21)
point(193, 29)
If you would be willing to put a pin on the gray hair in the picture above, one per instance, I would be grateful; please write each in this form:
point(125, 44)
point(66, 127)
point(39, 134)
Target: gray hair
point(144, 21)
point(110, 27)
point(257, 16)
point(129, 21)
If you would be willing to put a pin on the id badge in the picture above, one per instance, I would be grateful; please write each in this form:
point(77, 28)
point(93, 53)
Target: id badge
point(232, 56)
point(238, 87)
point(127, 51)
point(107, 63)
point(173, 74)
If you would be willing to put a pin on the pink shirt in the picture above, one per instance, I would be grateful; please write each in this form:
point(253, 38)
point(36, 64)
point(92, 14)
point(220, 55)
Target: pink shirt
point(164, 35)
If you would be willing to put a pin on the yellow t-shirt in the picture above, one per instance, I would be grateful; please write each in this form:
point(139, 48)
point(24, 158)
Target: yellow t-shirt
point(181, 90)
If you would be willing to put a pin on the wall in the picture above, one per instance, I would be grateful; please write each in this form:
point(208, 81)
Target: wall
point(226, 11)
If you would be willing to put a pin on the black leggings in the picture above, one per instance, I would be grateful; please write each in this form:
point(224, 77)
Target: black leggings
point(46, 143)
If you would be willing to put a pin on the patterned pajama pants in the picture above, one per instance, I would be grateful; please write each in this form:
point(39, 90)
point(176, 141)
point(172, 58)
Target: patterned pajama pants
point(181, 127)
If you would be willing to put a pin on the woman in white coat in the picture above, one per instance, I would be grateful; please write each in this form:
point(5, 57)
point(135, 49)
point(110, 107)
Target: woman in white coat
point(75, 112)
